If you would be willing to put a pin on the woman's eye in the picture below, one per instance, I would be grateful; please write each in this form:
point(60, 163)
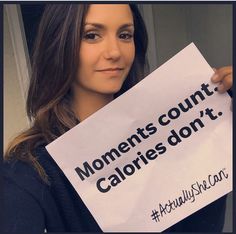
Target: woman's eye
point(126, 36)
point(91, 36)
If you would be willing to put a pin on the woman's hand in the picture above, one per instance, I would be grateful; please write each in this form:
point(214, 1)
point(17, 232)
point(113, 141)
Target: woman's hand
point(223, 76)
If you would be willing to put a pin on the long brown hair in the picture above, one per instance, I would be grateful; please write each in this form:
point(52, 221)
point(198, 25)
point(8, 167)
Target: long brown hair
point(54, 68)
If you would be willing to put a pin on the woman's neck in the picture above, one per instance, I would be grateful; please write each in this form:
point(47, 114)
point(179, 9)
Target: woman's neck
point(85, 102)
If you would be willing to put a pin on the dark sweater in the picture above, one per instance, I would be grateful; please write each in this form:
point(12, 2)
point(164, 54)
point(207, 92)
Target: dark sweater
point(31, 206)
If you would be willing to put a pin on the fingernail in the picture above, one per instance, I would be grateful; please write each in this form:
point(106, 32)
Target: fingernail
point(214, 77)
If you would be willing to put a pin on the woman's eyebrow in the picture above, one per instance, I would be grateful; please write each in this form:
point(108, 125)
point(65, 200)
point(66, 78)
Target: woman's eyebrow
point(96, 25)
point(126, 26)
point(101, 26)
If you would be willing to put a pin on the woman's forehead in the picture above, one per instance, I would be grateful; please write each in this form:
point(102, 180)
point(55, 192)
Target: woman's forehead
point(102, 13)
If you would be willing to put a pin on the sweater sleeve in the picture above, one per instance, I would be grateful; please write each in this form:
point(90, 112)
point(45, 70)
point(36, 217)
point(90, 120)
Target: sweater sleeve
point(28, 204)
point(22, 212)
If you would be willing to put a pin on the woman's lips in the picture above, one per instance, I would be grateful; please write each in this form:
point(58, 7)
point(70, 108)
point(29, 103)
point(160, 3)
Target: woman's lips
point(111, 71)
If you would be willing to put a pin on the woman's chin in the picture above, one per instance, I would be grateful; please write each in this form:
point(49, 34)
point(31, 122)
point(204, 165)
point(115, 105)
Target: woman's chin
point(112, 89)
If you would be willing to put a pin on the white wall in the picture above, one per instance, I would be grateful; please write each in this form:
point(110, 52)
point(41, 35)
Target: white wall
point(15, 119)
point(209, 26)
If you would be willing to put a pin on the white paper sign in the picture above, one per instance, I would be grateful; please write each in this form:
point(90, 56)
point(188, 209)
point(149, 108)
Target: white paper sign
point(156, 154)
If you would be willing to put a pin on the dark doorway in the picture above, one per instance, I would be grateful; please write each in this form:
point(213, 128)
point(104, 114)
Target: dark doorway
point(31, 14)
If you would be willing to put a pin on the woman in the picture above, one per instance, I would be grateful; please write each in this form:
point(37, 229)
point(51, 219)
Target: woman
point(85, 56)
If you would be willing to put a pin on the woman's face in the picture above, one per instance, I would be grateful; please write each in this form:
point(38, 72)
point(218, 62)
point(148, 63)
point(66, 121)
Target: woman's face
point(107, 49)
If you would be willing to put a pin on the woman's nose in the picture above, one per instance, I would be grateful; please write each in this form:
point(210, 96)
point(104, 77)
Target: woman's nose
point(112, 49)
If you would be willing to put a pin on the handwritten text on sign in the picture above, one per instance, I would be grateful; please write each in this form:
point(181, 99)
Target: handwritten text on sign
point(156, 154)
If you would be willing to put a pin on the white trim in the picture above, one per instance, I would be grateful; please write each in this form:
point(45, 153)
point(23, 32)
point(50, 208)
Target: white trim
point(17, 35)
